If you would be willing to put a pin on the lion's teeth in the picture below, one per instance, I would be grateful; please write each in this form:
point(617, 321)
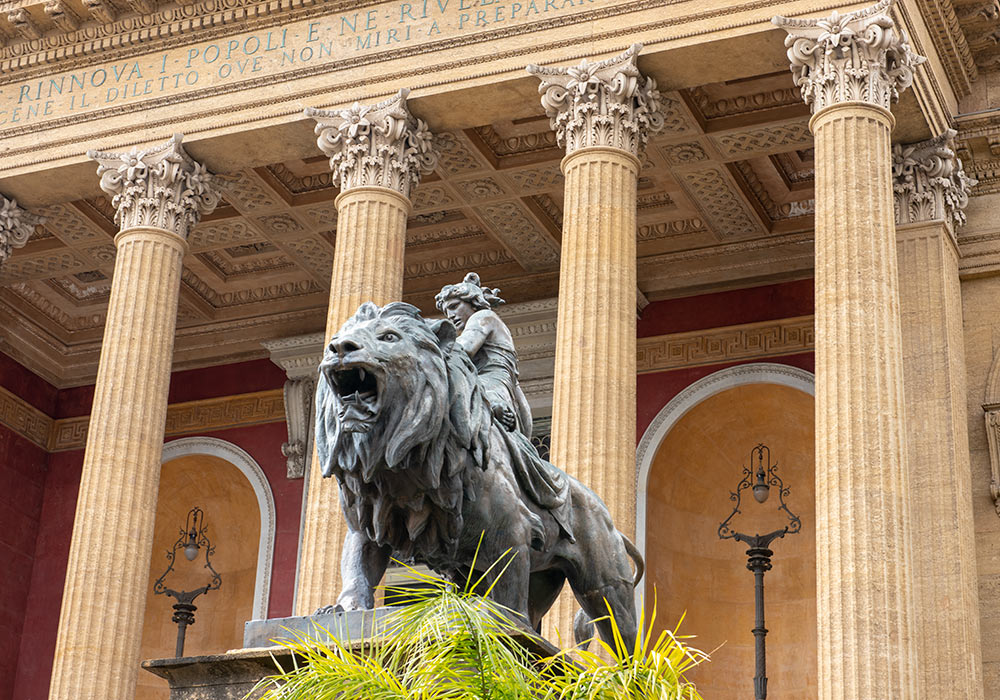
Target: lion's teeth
point(361, 373)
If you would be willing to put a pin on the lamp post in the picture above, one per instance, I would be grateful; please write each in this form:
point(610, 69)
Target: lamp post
point(193, 539)
point(760, 479)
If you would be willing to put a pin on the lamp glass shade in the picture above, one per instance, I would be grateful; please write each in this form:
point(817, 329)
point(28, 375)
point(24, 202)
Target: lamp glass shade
point(761, 492)
point(191, 551)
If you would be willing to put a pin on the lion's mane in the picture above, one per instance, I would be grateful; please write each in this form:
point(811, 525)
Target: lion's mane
point(404, 482)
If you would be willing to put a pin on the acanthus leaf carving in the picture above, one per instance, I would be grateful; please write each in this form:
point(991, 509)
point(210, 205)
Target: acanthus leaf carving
point(608, 103)
point(929, 182)
point(861, 56)
point(16, 226)
point(299, 398)
point(159, 187)
point(379, 145)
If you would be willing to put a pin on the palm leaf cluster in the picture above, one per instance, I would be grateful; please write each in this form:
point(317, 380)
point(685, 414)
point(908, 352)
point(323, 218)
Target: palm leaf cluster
point(453, 644)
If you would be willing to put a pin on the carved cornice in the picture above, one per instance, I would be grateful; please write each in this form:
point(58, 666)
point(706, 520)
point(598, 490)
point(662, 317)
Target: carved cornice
point(858, 57)
point(382, 145)
point(929, 182)
point(950, 37)
point(24, 419)
point(608, 103)
point(186, 418)
point(748, 341)
point(16, 226)
point(159, 187)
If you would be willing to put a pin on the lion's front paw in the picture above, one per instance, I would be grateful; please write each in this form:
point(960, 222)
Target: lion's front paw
point(349, 602)
point(328, 610)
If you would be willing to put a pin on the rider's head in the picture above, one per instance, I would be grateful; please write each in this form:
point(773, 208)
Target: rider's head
point(469, 291)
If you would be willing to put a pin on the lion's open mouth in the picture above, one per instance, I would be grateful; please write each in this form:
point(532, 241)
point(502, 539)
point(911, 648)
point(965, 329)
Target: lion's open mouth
point(358, 390)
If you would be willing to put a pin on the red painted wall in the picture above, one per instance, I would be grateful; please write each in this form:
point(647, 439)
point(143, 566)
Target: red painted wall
point(654, 390)
point(774, 301)
point(23, 465)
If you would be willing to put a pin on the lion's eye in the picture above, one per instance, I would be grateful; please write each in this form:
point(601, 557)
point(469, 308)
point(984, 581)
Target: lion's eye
point(389, 337)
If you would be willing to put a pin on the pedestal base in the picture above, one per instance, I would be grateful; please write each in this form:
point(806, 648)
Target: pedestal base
point(232, 675)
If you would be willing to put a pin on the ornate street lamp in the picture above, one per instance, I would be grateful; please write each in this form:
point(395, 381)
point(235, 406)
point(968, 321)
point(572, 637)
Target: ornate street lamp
point(760, 479)
point(193, 540)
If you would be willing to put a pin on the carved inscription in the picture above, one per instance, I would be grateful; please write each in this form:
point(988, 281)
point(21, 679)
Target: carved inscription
point(232, 60)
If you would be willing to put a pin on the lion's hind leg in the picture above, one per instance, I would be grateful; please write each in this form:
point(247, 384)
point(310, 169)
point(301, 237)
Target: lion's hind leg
point(615, 597)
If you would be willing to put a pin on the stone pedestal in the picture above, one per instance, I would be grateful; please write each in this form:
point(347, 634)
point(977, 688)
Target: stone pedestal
point(231, 676)
point(931, 191)
point(377, 154)
point(160, 194)
point(602, 113)
point(850, 69)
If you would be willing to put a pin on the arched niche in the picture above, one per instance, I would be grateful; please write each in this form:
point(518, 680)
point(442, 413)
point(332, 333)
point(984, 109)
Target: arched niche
point(991, 411)
point(231, 488)
point(689, 460)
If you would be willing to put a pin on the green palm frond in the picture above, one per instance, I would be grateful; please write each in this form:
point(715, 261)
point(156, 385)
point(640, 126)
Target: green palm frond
point(448, 643)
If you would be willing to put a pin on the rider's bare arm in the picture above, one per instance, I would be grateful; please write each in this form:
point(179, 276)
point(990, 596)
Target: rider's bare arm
point(478, 329)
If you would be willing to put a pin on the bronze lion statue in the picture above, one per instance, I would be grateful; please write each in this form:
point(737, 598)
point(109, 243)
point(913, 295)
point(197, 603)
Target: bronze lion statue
point(427, 474)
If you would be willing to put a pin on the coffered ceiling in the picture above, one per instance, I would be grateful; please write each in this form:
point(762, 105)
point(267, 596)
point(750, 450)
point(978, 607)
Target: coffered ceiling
point(725, 200)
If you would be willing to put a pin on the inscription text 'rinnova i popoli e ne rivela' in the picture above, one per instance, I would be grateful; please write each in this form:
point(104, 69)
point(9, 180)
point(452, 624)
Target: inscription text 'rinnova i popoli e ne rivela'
point(268, 52)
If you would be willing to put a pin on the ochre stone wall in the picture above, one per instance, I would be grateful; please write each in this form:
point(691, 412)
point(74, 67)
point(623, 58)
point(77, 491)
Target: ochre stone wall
point(981, 310)
point(693, 571)
point(233, 522)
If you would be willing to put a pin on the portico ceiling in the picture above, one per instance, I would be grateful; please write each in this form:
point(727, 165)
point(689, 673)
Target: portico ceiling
point(725, 200)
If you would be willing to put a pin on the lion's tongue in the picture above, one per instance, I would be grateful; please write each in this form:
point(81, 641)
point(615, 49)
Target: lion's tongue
point(358, 407)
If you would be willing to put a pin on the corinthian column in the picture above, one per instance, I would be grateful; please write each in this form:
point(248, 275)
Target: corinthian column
point(16, 226)
point(159, 194)
point(931, 192)
point(376, 154)
point(602, 114)
point(850, 69)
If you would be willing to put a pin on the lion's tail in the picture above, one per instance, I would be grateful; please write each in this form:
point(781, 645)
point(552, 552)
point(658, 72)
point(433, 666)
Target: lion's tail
point(583, 625)
point(636, 556)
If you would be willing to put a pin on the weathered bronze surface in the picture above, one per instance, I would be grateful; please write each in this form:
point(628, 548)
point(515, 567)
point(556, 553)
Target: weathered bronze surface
point(430, 471)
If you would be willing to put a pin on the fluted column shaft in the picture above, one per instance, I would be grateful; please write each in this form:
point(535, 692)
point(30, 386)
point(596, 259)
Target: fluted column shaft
point(377, 154)
point(602, 114)
point(850, 69)
point(159, 193)
point(864, 568)
point(367, 266)
point(931, 191)
point(944, 547)
point(593, 403)
point(100, 628)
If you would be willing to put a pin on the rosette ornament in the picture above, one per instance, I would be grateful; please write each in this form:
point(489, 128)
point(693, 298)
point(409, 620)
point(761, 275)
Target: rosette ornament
point(16, 226)
point(857, 57)
point(380, 145)
point(929, 182)
point(160, 187)
point(608, 103)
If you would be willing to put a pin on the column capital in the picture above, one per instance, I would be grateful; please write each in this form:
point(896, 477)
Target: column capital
point(929, 183)
point(608, 103)
point(159, 187)
point(381, 145)
point(16, 226)
point(861, 56)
